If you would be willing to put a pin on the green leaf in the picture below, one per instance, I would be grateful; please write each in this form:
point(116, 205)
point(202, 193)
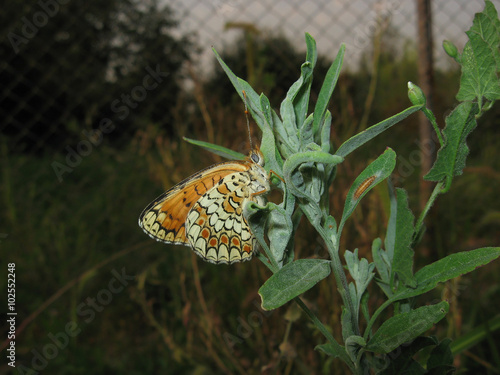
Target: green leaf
point(448, 268)
point(441, 355)
point(451, 157)
point(294, 180)
point(361, 272)
point(265, 107)
point(279, 230)
point(390, 237)
point(287, 112)
point(361, 138)
point(292, 280)
point(330, 226)
point(404, 327)
point(298, 94)
point(254, 104)
point(481, 58)
point(402, 262)
point(398, 256)
point(331, 350)
point(327, 88)
point(376, 172)
point(381, 261)
point(325, 127)
point(216, 149)
point(347, 318)
point(305, 133)
point(401, 361)
point(257, 219)
point(253, 99)
point(353, 344)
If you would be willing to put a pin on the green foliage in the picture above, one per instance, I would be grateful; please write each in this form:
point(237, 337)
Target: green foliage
point(479, 88)
point(480, 58)
point(405, 327)
point(292, 280)
point(297, 147)
point(451, 158)
point(216, 149)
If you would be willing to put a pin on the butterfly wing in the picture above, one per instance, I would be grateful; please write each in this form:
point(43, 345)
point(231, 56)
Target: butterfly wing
point(215, 226)
point(164, 218)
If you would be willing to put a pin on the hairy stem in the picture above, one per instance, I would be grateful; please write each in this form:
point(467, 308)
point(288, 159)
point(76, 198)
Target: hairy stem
point(437, 190)
point(331, 340)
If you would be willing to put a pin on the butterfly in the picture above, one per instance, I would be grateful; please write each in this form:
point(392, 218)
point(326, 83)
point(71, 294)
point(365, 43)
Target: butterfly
point(205, 211)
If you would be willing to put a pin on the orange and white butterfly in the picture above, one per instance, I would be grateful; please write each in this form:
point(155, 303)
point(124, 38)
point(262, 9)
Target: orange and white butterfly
point(205, 211)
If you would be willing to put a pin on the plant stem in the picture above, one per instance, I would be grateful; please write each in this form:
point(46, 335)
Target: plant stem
point(340, 277)
point(437, 190)
point(432, 119)
point(374, 317)
point(331, 340)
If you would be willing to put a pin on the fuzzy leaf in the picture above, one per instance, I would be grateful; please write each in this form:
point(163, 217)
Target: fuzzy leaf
point(441, 355)
point(380, 259)
point(481, 58)
point(448, 268)
point(336, 351)
point(327, 88)
point(294, 179)
point(402, 263)
point(287, 112)
point(279, 231)
point(362, 273)
point(451, 157)
point(299, 92)
point(404, 327)
point(361, 138)
point(376, 172)
point(390, 237)
point(218, 150)
point(254, 100)
point(292, 280)
point(401, 360)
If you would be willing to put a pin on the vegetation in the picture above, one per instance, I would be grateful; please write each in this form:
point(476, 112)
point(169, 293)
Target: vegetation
point(297, 146)
point(181, 315)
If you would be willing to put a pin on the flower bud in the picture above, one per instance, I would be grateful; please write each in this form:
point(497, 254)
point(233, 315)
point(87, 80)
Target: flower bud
point(416, 95)
point(450, 49)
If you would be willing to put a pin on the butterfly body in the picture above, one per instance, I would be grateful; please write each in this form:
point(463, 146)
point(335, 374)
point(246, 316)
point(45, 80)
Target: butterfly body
point(205, 211)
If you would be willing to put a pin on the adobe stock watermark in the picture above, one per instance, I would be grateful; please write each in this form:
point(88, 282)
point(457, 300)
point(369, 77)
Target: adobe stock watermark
point(47, 9)
point(406, 166)
point(225, 7)
point(363, 35)
point(121, 107)
point(87, 310)
point(246, 327)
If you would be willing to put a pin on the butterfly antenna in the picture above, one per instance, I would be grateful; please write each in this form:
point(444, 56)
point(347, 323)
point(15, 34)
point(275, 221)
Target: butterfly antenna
point(248, 122)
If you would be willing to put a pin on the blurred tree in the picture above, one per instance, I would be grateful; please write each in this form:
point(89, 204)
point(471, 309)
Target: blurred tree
point(68, 65)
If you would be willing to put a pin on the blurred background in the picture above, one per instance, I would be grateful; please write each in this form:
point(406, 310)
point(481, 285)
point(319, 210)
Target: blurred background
point(95, 99)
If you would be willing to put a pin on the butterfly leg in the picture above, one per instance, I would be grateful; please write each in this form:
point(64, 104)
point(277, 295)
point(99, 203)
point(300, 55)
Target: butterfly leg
point(271, 172)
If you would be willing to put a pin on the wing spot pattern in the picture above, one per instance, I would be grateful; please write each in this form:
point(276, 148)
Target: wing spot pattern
point(205, 212)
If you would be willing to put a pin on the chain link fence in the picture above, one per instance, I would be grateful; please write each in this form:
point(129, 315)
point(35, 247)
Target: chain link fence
point(66, 65)
point(329, 22)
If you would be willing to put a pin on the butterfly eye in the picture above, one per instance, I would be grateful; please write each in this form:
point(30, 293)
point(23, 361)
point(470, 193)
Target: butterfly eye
point(255, 158)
